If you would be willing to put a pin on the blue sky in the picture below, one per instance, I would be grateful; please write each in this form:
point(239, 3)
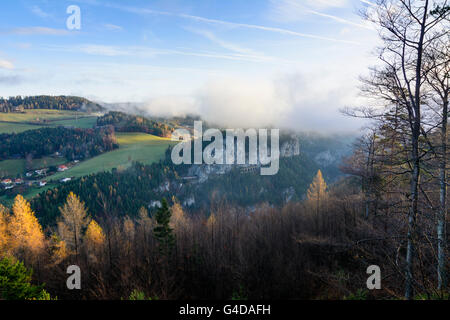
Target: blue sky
point(295, 62)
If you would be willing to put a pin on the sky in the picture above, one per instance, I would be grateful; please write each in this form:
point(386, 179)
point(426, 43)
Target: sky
point(286, 63)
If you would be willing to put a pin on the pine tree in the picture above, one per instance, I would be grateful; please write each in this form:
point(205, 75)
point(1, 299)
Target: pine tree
point(73, 222)
point(15, 282)
point(25, 228)
point(163, 232)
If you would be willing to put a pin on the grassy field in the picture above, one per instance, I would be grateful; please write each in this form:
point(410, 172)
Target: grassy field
point(6, 127)
point(33, 192)
point(84, 123)
point(20, 122)
point(140, 147)
point(38, 114)
point(12, 168)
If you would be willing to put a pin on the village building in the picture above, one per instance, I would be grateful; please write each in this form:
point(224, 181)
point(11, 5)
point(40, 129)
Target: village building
point(6, 182)
point(62, 168)
point(41, 172)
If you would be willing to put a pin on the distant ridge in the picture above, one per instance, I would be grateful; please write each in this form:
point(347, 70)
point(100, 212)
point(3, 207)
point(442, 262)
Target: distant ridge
point(71, 103)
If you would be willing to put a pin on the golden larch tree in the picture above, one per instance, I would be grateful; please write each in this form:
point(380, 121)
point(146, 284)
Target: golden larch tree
point(73, 222)
point(58, 249)
point(178, 220)
point(128, 231)
point(26, 232)
point(317, 191)
point(144, 227)
point(94, 239)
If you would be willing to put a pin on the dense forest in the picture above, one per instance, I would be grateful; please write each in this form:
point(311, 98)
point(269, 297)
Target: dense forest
point(123, 122)
point(318, 248)
point(125, 192)
point(117, 192)
point(69, 142)
point(19, 103)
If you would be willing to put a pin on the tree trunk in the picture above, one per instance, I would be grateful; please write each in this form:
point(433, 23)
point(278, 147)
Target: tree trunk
point(412, 219)
point(415, 126)
point(441, 221)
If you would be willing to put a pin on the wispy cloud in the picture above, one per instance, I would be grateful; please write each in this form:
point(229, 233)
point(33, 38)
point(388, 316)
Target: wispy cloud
point(112, 27)
point(5, 64)
point(325, 4)
point(36, 31)
point(101, 50)
point(222, 43)
point(148, 52)
point(227, 23)
point(264, 28)
point(369, 3)
point(340, 20)
point(39, 12)
point(10, 80)
point(295, 10)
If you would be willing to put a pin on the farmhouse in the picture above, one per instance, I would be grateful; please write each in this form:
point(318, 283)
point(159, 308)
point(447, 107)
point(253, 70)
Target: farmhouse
point(40, 172)
point(62, 168)
point(6, 182)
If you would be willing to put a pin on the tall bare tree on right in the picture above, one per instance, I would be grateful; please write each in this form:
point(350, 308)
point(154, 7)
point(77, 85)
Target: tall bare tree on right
point(437, 74)
point(408, 29)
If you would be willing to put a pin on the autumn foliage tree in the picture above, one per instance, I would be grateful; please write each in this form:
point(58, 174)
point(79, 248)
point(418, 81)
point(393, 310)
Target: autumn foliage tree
point(73, 222)
point(94, 239)
point(317, 191)
point(28, 239)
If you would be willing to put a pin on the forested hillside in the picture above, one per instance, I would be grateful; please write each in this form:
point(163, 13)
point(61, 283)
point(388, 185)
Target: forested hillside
point(124, 192)
point(70, 143)
point(19, 103)
point(123, 122)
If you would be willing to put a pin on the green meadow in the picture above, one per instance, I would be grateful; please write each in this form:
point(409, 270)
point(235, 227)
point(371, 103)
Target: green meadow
point(10, 127)
point(31, 119)
point(15, 167)
point(140, 147)
point(84, 123)
point(38, 115)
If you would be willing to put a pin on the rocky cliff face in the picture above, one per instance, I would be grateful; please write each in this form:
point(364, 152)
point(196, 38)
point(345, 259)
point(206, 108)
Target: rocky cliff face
point(320, 151)
point(288, 148)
